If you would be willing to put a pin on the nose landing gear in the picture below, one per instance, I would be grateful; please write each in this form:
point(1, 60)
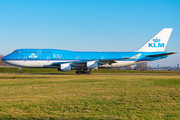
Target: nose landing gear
point(20, 70)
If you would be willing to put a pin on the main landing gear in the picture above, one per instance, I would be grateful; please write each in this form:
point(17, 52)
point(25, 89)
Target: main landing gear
point(83, 72)
point(20, 70)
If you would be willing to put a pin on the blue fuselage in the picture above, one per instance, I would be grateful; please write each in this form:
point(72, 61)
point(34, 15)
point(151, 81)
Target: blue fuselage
point(55, 54)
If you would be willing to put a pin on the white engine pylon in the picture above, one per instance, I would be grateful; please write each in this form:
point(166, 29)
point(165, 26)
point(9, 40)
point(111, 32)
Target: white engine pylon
point(92, 65)
point(65, 67)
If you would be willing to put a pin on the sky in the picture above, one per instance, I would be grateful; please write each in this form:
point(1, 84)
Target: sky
point(89, 25)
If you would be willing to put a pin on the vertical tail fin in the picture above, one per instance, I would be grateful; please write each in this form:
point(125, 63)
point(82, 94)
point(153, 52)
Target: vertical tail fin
point(158, 42)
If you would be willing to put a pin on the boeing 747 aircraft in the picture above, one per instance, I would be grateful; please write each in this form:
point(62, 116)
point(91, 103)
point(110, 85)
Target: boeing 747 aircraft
point(84, 62)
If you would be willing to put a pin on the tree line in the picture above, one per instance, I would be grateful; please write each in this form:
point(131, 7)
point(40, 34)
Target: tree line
point(139, 66)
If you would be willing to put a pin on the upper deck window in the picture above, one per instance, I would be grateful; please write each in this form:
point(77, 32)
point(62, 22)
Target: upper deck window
point(30, 52)
point(46, 52)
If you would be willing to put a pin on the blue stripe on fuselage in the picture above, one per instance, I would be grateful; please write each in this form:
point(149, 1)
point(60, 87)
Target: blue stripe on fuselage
point(55, 54)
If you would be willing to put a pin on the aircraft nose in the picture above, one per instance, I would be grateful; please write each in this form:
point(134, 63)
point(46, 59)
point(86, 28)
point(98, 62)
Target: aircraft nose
point(4, 58)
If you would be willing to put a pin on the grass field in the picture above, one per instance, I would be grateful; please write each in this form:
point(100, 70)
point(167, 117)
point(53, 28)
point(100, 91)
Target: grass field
point(89, 97)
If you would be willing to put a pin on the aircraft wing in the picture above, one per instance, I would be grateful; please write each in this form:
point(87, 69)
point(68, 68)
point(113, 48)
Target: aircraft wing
point(114, 60)
point(80, 62)
point(111, 60)
point(58, 63)
point(99, 61)
point(159, 55)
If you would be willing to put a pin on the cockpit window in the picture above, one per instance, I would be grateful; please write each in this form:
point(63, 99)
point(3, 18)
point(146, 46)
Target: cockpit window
point(15, 51)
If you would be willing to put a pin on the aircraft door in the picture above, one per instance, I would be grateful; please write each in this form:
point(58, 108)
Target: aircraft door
point(24, 58)
point(48, 58)
point(39, 52)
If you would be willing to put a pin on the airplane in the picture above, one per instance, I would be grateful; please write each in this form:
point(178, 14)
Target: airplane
point(84, 62)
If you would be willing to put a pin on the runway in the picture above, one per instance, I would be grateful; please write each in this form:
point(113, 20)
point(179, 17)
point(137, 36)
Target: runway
point(89, 74)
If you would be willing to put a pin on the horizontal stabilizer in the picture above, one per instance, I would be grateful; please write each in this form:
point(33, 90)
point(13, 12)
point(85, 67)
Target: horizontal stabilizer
point(159, 55)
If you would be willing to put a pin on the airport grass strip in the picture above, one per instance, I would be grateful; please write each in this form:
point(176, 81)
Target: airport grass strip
point(89, 97)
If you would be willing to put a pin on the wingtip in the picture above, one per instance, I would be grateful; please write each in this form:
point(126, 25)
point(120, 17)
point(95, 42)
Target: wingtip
point(174, 52)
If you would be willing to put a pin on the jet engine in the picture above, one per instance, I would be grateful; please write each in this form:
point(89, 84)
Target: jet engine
point(92, 65)
point(65, 67)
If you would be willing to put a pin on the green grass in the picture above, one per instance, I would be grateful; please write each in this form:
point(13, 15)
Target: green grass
point(51, 70)
point(89, 97)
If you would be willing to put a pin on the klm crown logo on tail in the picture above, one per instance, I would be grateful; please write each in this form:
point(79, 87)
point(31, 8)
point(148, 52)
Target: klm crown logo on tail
point(156, 43)
point(156, 40)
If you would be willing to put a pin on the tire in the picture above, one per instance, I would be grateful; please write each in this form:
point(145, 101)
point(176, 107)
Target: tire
point(20, 72)
point(78, 72)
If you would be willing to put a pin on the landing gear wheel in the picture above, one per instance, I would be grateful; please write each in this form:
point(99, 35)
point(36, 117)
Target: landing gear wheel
point(89, 72)
point(83, 72)
point(20, 71)
point(78, 72)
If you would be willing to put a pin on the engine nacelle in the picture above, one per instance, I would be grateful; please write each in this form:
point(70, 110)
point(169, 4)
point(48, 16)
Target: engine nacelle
point(92, 65)
point(65, 67)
